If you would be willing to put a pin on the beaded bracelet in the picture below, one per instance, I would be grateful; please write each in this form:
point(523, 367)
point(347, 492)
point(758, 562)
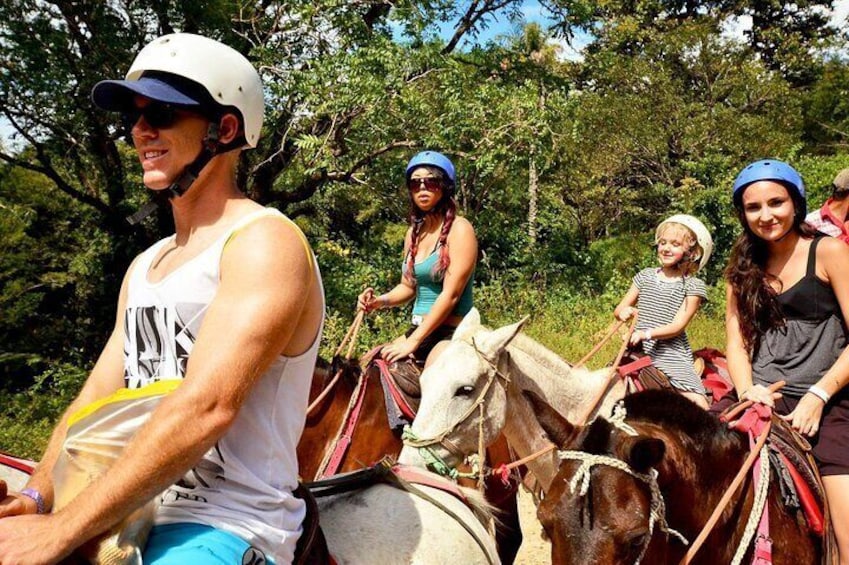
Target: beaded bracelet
point(40, 506)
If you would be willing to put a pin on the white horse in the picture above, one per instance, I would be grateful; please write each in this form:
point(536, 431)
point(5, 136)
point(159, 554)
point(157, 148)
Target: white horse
point(14, 471)
point(382, 524)
point(465, 396)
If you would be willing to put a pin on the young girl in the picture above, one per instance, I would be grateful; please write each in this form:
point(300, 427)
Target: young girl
point(788, 302)
point(667, 298)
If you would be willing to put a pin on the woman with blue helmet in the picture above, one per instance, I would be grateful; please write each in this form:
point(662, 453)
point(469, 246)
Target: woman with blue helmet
point(440, 252)
point(786, 312)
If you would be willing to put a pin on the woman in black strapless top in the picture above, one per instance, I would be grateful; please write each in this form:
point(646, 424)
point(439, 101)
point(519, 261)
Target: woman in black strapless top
point(788, 302)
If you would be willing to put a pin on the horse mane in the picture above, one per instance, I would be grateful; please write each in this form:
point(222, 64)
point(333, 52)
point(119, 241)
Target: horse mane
point(545, 356)
point(670, 411)
point(350, 368)
point(675, 413)
point(550, 361)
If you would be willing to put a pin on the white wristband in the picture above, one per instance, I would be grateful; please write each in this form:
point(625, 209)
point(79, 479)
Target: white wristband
point(819, 393)
point(648, 334)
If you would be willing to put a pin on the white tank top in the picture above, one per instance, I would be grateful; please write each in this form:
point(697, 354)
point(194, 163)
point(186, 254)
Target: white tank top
point(244, 483)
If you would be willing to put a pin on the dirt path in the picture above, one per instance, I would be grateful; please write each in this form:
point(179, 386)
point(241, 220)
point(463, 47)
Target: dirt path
point(535, 550)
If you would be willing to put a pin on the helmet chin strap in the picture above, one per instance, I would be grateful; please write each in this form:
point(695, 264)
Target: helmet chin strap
point(184, 182)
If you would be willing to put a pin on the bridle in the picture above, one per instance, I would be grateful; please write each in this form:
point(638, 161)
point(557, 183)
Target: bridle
point(580, 482)
point(433, 460)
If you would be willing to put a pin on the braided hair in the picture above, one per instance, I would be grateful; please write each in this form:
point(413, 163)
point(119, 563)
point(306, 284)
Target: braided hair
point(447, 208)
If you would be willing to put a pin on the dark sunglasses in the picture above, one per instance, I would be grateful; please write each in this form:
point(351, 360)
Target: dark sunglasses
point(431, 184)
point(158, 115)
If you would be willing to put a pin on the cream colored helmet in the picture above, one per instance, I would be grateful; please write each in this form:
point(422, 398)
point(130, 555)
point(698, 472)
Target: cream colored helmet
point(226, 76)
point(703, 237)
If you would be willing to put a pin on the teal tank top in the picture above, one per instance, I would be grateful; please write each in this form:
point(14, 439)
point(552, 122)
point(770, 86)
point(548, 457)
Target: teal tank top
point(427, 288)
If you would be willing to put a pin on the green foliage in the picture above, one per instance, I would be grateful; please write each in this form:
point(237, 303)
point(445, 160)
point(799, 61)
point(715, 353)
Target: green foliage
point(28, 417)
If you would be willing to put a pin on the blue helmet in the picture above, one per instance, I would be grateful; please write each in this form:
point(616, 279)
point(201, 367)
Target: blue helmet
point(774, 170)
point(433, 159)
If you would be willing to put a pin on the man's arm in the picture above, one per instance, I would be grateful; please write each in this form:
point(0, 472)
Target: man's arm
point(266, 279)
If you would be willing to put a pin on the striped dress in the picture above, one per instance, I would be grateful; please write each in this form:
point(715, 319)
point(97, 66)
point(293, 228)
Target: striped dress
point(658, 303)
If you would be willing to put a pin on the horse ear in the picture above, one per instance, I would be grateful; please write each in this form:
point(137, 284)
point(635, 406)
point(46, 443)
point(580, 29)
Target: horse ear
point(643, 453)
point(471, 323)
point(493, 343)
point(558, 428)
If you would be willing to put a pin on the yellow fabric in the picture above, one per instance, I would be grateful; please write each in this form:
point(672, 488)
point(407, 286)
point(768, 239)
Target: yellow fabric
point(124, 394)
point(96, 437)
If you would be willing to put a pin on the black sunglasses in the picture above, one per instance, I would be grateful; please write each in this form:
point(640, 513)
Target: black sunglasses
point(158, 115)
point(431, 184)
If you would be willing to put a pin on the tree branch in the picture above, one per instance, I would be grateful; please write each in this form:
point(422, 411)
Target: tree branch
point(473, 15)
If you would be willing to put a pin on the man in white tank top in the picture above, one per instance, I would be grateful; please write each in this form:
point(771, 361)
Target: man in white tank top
point(231, 304)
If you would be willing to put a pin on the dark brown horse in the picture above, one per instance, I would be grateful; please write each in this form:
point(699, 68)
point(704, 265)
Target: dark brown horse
point(372, 439)
point(696, 457)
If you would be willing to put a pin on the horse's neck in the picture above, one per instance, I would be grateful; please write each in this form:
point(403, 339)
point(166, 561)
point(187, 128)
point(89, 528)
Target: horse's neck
point(526, 437)
point(324, 426)
point(687, 469)
point(567, 389)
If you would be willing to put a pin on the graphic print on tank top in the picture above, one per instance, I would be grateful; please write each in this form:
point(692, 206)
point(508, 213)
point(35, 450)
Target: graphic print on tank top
point(164, 338)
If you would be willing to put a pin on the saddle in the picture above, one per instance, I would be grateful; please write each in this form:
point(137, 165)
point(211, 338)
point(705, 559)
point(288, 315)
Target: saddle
point(311, 548)
point(640, 374)
point(709, 365)
point(799, 480)
point(400, 382)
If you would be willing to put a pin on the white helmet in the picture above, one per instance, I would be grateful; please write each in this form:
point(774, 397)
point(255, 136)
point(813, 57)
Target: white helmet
point(227, 76)
point(703, 237)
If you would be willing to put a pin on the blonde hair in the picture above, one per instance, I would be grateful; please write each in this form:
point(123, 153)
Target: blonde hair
point(689, 263)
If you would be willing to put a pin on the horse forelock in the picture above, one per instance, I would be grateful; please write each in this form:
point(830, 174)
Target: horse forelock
point(596, 437)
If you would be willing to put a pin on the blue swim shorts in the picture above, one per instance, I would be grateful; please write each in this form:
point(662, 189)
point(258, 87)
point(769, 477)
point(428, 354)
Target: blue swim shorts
point(180, 544)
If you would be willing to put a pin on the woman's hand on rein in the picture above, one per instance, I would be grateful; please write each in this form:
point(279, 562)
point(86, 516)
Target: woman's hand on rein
point(366, 301)
point(761, 394)
point(626, 313)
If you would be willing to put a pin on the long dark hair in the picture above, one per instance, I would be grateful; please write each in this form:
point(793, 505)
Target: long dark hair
point(447, 208)
point(757, 305)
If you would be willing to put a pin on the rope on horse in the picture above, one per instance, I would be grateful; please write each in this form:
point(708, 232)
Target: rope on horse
point(353, 331)
point(593, 406)
point(758, 506)
point(611, 329)
point(726, 498)
point(581, 483)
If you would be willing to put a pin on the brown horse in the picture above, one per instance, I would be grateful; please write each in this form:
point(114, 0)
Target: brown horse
point(371, 439)
point(599, 506)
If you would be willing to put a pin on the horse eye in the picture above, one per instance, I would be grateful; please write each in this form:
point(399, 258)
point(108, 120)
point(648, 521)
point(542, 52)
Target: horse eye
point(465, 391)
point(637, 540)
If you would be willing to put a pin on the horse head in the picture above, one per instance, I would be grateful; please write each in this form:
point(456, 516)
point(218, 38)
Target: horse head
point(604, 504)
point(464, 396)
